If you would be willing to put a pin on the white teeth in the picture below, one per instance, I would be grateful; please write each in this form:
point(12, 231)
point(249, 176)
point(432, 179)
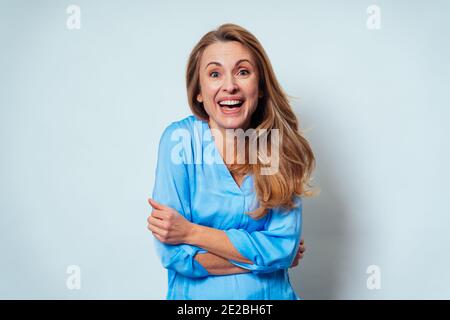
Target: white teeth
point(230, 102)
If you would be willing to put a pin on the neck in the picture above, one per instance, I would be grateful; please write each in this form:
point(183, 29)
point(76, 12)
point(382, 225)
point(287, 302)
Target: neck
point(221, 141)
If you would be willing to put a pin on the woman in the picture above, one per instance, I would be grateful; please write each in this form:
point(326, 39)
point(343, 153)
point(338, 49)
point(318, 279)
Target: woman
point(225, 229)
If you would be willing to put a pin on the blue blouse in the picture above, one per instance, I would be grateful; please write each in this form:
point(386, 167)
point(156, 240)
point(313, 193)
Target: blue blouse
point(192, 178)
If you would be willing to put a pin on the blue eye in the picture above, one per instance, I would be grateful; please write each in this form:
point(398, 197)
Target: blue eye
point(213, 73)
point(246, 72)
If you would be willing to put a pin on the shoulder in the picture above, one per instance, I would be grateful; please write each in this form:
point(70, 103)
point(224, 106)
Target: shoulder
point(185, 125)
point(180, 137)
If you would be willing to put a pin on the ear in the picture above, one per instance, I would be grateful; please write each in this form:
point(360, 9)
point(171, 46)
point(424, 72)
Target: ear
point(199, 98)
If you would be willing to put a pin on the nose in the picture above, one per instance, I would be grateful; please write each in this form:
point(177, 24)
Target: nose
point(230, 85)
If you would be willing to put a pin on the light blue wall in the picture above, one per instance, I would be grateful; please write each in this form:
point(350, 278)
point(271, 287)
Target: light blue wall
point(81, 113)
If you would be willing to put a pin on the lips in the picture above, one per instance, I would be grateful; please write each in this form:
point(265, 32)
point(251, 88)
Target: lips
point(230, 111)
point(231, 102)
point(233, 108)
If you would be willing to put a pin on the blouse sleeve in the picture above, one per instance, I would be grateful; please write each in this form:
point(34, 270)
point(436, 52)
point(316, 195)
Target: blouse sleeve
point(274, 247)
point(172, 189)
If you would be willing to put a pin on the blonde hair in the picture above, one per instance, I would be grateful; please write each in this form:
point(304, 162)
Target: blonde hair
point(296, 160)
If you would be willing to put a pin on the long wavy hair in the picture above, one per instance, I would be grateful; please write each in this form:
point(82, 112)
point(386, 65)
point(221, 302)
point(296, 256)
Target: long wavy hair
point(296, 158)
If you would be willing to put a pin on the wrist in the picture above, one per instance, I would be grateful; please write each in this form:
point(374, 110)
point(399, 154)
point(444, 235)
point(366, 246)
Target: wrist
point(192, 234)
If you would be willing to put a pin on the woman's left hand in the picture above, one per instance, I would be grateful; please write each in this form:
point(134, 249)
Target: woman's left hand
point(167, 224)
point(300, 252)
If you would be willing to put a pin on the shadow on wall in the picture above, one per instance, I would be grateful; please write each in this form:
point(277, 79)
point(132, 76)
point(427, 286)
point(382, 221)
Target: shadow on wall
point(325, 222)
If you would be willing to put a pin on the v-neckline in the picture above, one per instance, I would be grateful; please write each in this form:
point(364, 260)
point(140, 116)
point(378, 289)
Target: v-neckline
point(239, 188)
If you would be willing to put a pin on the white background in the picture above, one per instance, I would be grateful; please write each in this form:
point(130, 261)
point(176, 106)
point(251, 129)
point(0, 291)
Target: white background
point(82, 111)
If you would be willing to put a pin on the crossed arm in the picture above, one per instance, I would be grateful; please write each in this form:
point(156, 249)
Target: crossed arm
point(219, 248)
point(219, 266)
point(198, 251)
point(216, 263)
point(171, 228)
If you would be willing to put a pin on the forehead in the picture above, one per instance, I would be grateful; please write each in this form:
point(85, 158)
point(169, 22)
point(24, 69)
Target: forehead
point(226, 53)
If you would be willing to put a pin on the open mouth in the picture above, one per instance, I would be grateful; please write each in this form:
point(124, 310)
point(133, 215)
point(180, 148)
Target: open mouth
point(229, 106)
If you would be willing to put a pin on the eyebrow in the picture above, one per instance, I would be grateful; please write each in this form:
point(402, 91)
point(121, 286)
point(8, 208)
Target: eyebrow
point(238, 62)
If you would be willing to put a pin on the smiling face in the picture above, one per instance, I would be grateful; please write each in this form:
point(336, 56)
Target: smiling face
point(228, 85)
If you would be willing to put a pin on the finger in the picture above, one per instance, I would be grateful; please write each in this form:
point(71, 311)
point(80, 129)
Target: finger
point(296, 260)
point(158, 237)
point(156, 230)
point(302, 241)
point(302, 249)
point(158, 214)
point(156, 205)
point(156, 222)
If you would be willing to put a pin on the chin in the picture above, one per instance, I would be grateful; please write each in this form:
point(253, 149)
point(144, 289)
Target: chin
point(232, 123)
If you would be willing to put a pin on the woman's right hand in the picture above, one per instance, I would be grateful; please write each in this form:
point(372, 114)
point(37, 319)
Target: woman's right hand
point(299, 255)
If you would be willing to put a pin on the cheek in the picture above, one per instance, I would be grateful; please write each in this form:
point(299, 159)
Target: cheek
point(252, 91)
point(252, 88)
point(209, 89)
